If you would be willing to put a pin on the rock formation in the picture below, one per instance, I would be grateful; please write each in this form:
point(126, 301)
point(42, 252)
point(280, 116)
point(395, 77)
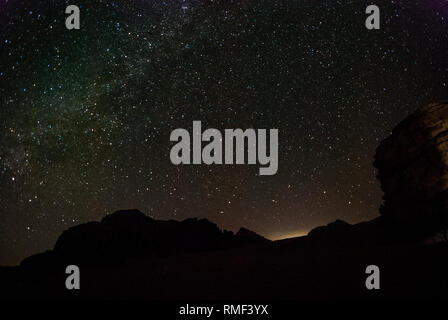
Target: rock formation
point(337, 232)
point(130, 234)
point(412, 167)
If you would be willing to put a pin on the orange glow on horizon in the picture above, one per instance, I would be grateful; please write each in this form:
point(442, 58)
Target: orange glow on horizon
point(292, 234)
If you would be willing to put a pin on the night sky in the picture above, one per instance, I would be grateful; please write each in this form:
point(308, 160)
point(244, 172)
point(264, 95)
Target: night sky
point(86, 115)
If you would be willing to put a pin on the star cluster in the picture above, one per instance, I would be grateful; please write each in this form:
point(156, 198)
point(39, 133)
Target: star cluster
point(86, 114)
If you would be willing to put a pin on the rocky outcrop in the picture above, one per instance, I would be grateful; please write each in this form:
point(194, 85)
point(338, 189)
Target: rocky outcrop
point(412, 167)
point(130, 234)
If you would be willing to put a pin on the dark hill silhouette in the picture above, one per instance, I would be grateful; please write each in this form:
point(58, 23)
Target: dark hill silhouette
point(193, 259)
point(130, 234)
point(245, 236)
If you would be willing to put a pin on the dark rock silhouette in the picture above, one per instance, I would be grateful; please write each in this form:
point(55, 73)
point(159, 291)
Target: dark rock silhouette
point(337, 233)
point(130, 234)
point(331, 231)
point(412, 167)
point(342, 234)
point(245, 236)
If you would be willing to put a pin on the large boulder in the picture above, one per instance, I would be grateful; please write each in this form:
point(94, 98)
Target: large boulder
point(412, 167)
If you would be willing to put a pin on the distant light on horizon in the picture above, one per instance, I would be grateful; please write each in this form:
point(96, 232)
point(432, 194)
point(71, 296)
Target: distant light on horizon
point(288, 235)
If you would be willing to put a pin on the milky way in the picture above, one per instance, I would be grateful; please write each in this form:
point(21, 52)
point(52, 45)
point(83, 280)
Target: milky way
point(86, 114)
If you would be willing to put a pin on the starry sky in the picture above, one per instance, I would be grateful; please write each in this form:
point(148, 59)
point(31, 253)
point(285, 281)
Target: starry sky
point(86, 115)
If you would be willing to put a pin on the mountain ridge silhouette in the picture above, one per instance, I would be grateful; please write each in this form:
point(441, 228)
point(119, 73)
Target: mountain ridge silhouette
point(130, 234)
